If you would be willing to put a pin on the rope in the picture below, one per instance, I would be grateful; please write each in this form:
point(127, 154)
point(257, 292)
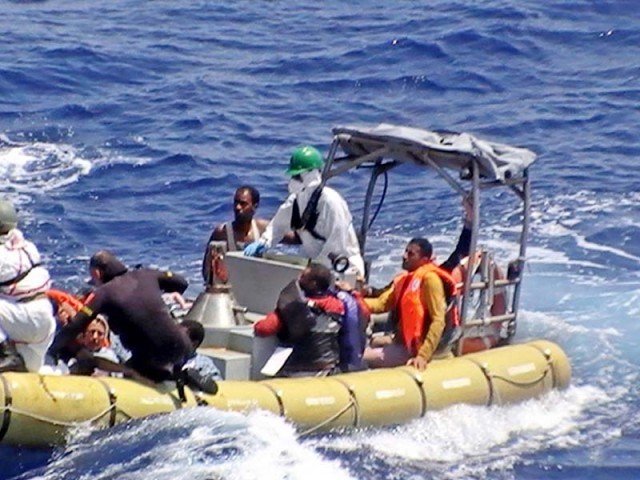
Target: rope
point(333, 417)
point(44, 419)
point(495, 392)
point(524, 384)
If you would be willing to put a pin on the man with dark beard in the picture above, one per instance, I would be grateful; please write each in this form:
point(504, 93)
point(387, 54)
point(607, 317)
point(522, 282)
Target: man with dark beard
point(242, 230)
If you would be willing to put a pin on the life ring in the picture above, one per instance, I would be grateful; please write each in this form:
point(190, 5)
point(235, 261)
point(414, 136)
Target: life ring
point(498, 307)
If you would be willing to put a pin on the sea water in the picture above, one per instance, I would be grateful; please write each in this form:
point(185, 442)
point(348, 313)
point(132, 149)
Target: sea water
point(128, 125)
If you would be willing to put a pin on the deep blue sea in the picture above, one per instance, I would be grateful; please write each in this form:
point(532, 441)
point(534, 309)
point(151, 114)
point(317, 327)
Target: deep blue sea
point(127, 125)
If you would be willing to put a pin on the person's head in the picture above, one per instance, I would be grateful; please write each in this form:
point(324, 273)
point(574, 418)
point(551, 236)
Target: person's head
point(195, 332)
point(304, 167)
point(417, 253)
point(104, 266)
point(96, 335)
point(8, 217)
point(316, 279)
point(245, 203)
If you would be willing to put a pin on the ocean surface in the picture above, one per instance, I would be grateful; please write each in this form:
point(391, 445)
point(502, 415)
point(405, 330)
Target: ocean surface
point(127, 125)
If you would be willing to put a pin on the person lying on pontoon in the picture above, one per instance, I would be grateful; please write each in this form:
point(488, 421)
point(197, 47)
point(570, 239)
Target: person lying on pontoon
point(310, 320)
point(94, 345)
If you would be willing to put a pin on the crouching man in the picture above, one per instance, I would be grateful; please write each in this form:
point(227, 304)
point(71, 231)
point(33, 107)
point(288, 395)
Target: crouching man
point(310, 319)
point(133, 304)
point(27, 324)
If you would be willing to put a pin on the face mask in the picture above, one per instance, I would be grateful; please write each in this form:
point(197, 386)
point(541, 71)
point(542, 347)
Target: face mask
point(295, 186)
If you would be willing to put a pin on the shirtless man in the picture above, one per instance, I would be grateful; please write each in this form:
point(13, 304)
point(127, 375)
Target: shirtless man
point(243, 229)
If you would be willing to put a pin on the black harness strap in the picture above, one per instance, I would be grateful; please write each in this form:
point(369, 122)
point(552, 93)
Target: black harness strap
point(309, 218)
point(180, 377)
point(22, 275)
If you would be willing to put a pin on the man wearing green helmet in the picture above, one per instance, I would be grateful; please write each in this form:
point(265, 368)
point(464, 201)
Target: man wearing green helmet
point(318, 214)
point(27, 324)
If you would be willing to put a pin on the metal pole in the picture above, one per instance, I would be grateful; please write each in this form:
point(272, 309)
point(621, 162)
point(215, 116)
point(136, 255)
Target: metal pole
point(364, 228)
point(475, 195)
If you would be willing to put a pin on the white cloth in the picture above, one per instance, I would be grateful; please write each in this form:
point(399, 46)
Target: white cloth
point(30, 324)
point(17, 256)
point(334, 224)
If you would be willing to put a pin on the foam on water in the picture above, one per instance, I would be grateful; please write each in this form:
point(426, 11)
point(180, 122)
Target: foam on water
point(192, 444)
point(32, 168)
point(466, 442)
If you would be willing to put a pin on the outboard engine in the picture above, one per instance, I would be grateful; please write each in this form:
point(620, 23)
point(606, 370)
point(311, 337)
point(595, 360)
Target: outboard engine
point(216, 305)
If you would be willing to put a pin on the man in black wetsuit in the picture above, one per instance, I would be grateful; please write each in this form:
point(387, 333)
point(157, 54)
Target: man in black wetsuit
point(132, 301)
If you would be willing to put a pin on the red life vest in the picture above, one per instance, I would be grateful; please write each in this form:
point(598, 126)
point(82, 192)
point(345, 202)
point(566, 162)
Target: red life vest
point(412, 315)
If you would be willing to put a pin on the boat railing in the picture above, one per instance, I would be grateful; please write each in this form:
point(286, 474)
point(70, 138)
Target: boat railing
point(489, 296)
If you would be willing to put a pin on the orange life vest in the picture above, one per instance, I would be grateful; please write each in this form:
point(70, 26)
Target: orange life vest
point(60, 297)
point(411, 313)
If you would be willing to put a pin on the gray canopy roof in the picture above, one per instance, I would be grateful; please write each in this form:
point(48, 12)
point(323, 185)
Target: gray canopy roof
point(455, 151)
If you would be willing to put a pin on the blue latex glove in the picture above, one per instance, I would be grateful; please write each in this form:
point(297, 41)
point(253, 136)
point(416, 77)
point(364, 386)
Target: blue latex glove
point(255, 249)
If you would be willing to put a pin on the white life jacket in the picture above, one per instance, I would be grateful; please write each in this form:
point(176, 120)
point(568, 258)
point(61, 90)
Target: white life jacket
point(21, 274)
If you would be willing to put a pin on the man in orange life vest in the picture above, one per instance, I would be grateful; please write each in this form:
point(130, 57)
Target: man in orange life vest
point(418, 300)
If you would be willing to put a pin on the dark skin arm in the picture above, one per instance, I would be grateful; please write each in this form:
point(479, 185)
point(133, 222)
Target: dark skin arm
point(76, 326)
point(87, 362)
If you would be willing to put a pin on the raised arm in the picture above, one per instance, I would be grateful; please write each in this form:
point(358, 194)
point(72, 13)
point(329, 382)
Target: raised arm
point(464, 241)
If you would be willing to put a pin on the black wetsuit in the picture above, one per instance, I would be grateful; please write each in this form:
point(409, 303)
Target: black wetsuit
point(137, 313)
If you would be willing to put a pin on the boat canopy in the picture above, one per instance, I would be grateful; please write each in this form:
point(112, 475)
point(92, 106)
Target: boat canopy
point(456, 151)
point(478, 164)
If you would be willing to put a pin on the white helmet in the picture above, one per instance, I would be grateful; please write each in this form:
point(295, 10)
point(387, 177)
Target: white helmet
point(8, 217)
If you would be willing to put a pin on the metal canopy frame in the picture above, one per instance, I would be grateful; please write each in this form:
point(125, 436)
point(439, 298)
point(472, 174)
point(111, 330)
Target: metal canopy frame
point(478, 166)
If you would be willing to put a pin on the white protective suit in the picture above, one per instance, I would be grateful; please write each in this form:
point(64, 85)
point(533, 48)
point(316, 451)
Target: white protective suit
point(334, 223)
point(26, 313)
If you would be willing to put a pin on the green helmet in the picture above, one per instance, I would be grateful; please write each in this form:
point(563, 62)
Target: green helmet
point(8, 217)
point(304, 159)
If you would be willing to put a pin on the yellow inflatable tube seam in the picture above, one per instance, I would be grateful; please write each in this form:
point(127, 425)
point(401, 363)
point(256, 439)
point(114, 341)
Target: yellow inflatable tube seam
point(39, 410)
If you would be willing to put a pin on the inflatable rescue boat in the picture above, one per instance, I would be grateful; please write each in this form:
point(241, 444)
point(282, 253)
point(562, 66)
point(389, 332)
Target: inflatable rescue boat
point(484, 367)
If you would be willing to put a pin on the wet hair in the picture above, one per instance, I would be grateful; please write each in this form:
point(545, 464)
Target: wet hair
point(253, 191)
point(321, 275)
point(195, 331)
point(108, 264)
point(424, 245)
